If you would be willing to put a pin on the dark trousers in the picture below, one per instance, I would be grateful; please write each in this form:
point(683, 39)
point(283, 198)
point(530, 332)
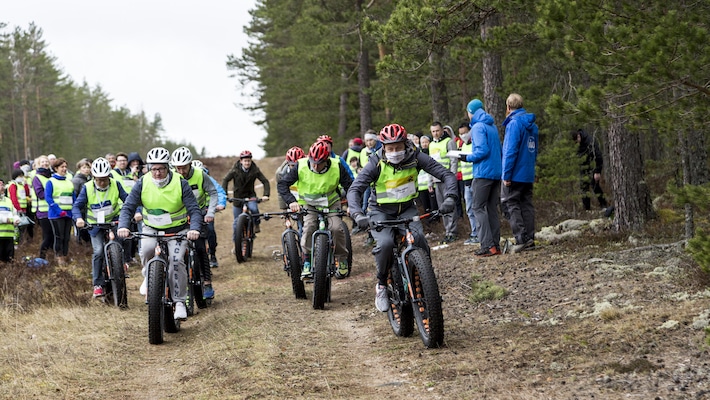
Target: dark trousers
point(486, 198)
point(47, 237)
point(61, 227)
point(590, 183)
point(520, 210)
point(7, 249)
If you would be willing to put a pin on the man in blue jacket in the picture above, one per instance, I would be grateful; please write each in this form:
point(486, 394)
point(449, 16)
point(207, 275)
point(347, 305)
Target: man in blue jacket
point(486, 159)
point(520, 148)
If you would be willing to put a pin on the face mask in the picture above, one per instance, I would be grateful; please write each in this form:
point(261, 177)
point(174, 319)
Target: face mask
point(25, 168)
point(161, 182)
point(465, 137)
point(20, 179)
point(395, 157)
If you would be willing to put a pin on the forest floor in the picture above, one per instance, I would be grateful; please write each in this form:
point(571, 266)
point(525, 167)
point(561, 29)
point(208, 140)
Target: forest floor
point(591, 317)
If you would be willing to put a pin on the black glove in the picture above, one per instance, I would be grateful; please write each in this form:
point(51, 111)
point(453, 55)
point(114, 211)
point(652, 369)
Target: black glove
point(362, 221)
point(447, 206)
point(462, 157)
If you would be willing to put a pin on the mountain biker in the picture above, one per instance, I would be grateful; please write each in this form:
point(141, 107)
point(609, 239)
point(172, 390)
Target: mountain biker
point(392, 174)
point(100, 200)
point(221, 205)
point(167, 201)
point(206, 196)
point(293, 154)
point(243, 175)
point(318, 177)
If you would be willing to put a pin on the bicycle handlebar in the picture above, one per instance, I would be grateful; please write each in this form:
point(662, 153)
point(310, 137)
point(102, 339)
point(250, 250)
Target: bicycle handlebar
point(291, 214)
point(103, 225)
point(379, 225)
point(160, 235)
point(241, 200)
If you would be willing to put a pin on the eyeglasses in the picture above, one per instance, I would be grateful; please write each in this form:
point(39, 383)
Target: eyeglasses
point(122, 160)
point(159, 169)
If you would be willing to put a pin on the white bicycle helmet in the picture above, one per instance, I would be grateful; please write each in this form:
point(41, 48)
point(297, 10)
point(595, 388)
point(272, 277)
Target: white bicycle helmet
point(100, 168)
point(198, 164)
point(181, 156)
point(158, 155)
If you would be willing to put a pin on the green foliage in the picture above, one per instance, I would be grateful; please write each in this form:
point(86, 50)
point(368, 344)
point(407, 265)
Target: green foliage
point(558, 170)
point(482, 290)
point(699, 197)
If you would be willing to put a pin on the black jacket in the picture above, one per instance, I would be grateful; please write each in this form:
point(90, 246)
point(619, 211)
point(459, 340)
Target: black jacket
point(243, 181)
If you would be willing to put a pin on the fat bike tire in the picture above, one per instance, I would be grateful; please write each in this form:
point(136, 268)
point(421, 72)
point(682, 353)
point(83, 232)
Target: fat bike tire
point(293, 260)
point(118, 276)
point(156, 309)
point(319, 265)
point(241, 238)
point(400, 313)
point(426, 303)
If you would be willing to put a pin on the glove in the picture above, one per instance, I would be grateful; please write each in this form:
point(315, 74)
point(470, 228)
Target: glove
point(362, 221)
point(463, 157)
point(447, 206)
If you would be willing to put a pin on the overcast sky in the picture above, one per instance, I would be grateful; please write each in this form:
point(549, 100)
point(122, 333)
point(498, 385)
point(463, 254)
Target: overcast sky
point(166, 57)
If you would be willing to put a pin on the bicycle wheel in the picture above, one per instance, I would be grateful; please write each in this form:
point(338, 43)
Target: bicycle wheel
point(118, 275)
point(427, 300)
point(348, 245)
point(196, 281)
point(400, 312)
point(319, 265)
point(156, 311)
point(241, 237)
point(292, 253)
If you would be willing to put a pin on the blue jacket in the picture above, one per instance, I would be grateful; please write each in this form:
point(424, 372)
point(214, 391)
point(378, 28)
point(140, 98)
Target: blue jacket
point(520, 147)
point(54, 210)
point(486, 155)
point(221, 194)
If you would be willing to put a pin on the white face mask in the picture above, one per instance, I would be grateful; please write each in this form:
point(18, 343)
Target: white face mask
point(25, 168)
point(465, 137)
point(395, 157)
point(161, 182)
point(20, 179)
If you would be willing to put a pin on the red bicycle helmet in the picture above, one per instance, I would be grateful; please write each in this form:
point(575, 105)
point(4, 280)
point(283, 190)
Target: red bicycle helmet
point(393, 133)
point(319, 152)
point(245, 154)
point(325, 138)
point(294, 154)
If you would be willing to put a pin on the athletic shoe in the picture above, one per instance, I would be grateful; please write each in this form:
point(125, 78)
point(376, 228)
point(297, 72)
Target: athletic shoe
point(98, 291)
point(180, 311)
point(382, 301)
point(306, 271)
point(449, 239)
point(471, 241)
point(143, 290)
point(213, 261)
point(342, 271)
point(491, 251)
point(529, 245)
point(208, 293)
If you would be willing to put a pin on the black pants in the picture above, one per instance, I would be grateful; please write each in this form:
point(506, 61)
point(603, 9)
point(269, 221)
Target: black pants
point(47, 236)
point(520, 210)
point(7, 249)
point(588, 182)
point(62, 234)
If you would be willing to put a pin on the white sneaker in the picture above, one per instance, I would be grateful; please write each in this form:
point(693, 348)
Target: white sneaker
point(143, 290)
point(180, 311)
point(382, 302)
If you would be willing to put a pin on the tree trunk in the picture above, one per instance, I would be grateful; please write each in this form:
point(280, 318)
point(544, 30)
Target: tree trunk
point(363, 83)
point(388, 112)
point(439, 98)
point(493, 103)
point(632, 199)
point(343, 109)
point(693, 159)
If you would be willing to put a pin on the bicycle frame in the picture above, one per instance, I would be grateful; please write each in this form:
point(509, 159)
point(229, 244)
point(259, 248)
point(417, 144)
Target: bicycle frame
point(322, 274)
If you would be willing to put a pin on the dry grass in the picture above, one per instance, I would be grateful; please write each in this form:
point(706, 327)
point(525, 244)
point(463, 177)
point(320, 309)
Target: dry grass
point(541, 341)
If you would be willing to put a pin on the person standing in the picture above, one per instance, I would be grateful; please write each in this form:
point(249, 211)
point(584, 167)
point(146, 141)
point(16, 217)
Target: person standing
point(467, 179)
point(19, 193)
point(39, 203)
point(438, 149)
point(59, 194)
point(520, 148)
point(487, 167)
point(591, 174)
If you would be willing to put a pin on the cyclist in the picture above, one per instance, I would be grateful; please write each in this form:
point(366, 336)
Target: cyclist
point(221, 205)
point(293, 154)
point(206, 196)
point(100, 200)
point(167, 201)
point(318, 177)
point(392, 174)
point(243, 175)
point(329, 141)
